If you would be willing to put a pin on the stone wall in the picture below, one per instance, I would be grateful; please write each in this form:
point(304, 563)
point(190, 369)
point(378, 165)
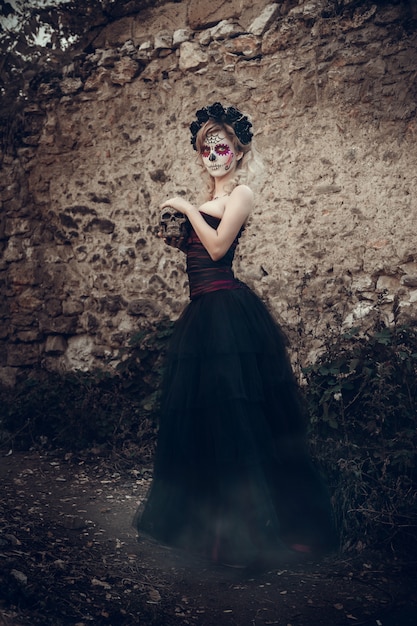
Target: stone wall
point(331, 89)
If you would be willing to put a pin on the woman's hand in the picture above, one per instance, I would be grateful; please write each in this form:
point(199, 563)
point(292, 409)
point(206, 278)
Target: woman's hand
point(179, 204)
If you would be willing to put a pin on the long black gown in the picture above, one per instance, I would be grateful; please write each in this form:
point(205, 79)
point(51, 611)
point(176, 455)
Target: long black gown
point(233, 480)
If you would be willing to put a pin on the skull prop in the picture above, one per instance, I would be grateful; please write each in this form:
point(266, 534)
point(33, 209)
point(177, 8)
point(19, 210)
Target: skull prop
point(173, 223)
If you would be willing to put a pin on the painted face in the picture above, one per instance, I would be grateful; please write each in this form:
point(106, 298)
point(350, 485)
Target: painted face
point(218, 154)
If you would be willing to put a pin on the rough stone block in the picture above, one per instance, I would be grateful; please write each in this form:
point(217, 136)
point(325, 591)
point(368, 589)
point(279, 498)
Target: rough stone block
point(181, 35)
point(96, 80)
point(388, 283)
point(192, 57)
point(143, 307)
point(61, 325)
point(246, 45)
point(55, 344)
point(16, 227)
point(409, 280)
point(225, 30)
point(163, 40)
point(29, 336)
point(264, 20)
point(14, 251)
point(71, 85)
point(21, 274)
point(28, 300)
point(203, 14)
point(72, 307)
point(79, 352)
point(22, 354)
point(124, 71)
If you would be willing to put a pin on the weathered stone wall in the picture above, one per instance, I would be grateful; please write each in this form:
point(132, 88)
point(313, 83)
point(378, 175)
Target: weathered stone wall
point(332, 95)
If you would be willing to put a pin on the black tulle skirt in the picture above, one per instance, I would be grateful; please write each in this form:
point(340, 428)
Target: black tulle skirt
point(233, 480)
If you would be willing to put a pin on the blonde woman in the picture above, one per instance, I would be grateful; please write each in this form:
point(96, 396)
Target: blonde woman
point(233, 481)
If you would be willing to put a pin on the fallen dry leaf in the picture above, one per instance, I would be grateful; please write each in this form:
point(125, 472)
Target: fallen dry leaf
point(100, 583)
point(154, 595)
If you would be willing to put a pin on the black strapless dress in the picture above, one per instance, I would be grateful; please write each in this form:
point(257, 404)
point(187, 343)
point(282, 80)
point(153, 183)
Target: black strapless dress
point(233, 480)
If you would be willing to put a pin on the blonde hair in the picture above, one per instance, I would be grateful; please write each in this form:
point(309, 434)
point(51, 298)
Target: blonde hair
point(247, 168)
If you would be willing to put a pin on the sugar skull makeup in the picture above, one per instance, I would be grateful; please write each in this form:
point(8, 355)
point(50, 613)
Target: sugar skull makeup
point(218, 154)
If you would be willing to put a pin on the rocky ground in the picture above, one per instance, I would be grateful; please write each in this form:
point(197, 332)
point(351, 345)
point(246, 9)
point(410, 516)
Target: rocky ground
point(68, 556)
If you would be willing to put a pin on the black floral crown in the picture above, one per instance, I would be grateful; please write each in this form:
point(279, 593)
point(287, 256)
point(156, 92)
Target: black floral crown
point(240, 123)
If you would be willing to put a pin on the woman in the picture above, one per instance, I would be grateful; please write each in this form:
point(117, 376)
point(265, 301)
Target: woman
point(232, 478)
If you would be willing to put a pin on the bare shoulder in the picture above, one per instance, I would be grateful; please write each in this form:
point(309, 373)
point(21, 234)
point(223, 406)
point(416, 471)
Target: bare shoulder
point(242, 196)
point(242, 192)
point(238, 207)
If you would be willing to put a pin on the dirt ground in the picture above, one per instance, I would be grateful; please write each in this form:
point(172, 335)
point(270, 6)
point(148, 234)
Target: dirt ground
point(69, 556)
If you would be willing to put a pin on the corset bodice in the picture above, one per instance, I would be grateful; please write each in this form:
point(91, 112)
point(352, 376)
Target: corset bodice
point(204, 274)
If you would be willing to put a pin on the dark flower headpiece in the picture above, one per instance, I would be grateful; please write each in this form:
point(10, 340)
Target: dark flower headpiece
point(240, 123)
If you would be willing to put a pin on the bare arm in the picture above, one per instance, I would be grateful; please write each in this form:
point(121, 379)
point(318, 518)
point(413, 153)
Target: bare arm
point(217, 241)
